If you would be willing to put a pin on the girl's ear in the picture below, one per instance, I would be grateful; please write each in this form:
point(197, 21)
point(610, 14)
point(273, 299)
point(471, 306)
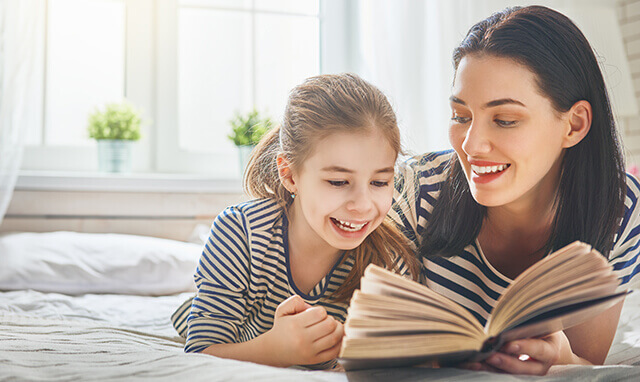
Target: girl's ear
point(579, 123)
point(285, 172)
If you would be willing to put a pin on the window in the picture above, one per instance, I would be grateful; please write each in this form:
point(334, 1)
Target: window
point(189, 65)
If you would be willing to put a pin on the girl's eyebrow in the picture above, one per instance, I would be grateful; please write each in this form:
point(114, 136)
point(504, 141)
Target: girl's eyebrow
point(494, 103)
point(346, 170)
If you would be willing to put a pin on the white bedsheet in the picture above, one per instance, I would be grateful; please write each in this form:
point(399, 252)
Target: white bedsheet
point(54, 337)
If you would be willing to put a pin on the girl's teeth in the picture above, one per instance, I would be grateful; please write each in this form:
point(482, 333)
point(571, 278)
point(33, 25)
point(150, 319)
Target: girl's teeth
point(351, 227)
point(488, 169)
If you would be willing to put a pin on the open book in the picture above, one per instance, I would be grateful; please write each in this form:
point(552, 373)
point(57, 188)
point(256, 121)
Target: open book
point(394, 321)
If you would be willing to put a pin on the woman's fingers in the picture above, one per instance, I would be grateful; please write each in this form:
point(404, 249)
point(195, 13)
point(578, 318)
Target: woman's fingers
point(512, 364)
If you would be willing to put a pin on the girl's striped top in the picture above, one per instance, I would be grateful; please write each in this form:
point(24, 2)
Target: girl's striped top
point(244, 274)
point(469, 279)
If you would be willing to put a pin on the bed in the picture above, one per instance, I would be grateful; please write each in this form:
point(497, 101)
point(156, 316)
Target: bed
point(78, 306)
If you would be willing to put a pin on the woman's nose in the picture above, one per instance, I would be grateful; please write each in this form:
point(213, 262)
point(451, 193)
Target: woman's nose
point(476, 140)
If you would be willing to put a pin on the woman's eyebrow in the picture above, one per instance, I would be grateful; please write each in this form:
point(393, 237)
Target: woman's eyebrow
point(494, 103)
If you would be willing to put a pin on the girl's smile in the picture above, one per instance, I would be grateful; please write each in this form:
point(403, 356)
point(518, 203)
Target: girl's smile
point(343, 191)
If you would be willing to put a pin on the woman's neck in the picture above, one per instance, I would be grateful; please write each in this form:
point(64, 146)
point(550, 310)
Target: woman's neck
point(514, 237)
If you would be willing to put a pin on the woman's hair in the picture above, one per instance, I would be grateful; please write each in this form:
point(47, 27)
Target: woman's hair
point(320, 106)
point(590, 198)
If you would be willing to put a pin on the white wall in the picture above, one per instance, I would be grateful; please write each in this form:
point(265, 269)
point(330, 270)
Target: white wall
point(629, 17)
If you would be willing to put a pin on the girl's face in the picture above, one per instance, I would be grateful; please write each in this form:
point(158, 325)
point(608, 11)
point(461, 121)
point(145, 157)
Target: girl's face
point(344, 189)
point(508, 137)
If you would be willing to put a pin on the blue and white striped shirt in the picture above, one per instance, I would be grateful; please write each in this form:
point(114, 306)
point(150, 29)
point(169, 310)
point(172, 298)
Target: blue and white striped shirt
point(469, 279)
point(244, 274)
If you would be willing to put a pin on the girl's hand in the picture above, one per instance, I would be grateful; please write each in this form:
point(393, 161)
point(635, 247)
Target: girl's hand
point(530, 356)
point(302, 335)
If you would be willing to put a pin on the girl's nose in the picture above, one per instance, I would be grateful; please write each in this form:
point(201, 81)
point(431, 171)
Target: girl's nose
point(360, 200)
point(476, 140)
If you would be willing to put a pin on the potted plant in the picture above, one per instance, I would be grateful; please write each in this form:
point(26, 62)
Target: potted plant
point(246, 131)
point(115, 129)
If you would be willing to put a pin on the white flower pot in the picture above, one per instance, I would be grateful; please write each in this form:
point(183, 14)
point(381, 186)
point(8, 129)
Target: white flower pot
point(114, 155)
point(244, 152)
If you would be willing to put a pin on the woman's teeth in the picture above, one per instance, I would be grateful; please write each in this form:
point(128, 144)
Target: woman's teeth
point(347, 226)
point(488, 169)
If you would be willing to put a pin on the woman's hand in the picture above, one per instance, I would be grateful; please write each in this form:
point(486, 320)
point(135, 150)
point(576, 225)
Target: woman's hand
point(302, 335)
point(530, 356)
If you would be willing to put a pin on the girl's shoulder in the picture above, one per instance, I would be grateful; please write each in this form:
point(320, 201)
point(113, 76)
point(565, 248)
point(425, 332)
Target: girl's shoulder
point(254, 214)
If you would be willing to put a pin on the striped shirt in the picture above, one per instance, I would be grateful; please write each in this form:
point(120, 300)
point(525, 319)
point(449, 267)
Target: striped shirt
point(468, 278)
point(244, 274)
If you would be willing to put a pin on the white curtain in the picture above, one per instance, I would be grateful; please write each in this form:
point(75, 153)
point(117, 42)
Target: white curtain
point(20, 30)
point(405, 48)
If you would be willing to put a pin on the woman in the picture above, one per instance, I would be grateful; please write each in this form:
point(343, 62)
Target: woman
point(536, 165)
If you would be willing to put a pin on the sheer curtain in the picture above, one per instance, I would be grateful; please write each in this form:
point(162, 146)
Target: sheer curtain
point(20, 31)
point(405, 48)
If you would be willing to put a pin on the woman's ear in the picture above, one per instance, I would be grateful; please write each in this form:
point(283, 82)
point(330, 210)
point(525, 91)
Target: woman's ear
point(286, 173)
point(579, 122)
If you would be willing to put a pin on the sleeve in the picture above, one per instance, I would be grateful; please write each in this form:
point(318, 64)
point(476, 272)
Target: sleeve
point(222, 279)
point(624, 256)
point(404, 210)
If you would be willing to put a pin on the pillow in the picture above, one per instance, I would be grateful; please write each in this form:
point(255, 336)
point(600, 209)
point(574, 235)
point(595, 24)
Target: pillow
point(77, 263)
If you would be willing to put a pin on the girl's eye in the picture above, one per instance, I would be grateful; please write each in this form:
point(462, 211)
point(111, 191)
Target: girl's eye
point(459, 119)
point(504, 123)
point(337, 183)
point(378, 183)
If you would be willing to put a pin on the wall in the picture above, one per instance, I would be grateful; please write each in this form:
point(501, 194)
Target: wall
point(629, 18)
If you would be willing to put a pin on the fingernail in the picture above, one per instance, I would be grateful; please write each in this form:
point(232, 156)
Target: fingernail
point(495, 360)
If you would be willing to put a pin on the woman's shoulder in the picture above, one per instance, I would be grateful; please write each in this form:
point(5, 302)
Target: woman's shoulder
point(428, 164)
point(422, 170)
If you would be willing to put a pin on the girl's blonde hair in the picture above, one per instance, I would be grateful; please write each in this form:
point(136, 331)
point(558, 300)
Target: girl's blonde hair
point(320, 106)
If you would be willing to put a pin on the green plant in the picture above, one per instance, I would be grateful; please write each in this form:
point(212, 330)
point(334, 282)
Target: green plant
point(116, 121)
point(247, 129)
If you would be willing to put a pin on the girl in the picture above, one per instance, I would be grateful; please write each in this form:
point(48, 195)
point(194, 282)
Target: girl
point(277, 272)
point(536, 165)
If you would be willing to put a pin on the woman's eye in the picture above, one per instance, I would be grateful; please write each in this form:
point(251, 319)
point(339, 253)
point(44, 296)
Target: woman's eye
point(337, 183)
point(459, 119)
point(379, 183)
point(504, 123)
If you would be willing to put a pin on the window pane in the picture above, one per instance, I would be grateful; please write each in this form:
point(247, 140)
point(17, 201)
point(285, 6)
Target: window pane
point(244, 4)
point(287, 52)
point(214, 76)
point(85, 65)
point(310, 7)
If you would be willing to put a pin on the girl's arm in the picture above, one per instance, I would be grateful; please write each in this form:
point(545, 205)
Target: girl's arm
point(584, 344)
point(301, 335)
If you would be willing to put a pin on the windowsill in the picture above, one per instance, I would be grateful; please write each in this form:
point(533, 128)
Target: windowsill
point(132, 182)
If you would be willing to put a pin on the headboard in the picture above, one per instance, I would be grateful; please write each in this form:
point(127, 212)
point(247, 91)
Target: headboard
point(171, 215)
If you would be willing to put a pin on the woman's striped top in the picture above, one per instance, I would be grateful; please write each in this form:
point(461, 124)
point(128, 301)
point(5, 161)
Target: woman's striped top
point(469, 279)
point(244, 274)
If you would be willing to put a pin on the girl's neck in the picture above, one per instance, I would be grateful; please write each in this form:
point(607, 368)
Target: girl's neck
point(310, 257)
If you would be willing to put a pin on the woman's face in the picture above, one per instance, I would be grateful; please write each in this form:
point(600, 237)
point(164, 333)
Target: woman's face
point(508, 137)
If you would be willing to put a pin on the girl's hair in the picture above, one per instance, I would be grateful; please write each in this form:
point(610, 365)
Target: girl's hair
point(590, 198)
point(320, 106)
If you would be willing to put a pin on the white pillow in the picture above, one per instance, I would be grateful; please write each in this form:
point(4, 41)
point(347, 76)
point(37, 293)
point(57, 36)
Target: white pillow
point(77, 263)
